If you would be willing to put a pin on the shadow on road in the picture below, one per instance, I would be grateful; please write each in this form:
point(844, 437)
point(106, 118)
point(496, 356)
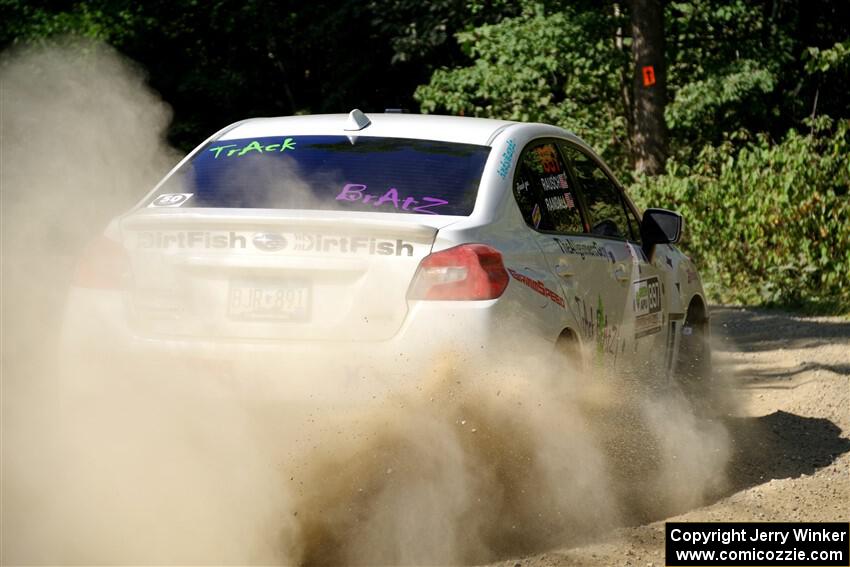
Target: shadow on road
point(761, 330)
point(780, 445)
point(782, 373)
point(775, 446)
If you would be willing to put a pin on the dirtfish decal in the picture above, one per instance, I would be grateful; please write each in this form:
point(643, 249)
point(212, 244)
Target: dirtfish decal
point(275, 242)
point(352, 245)
point(230, 150)
point(192, 239)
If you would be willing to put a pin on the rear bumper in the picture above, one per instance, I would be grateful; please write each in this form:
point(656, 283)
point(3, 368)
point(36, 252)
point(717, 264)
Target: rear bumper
point(435, 334)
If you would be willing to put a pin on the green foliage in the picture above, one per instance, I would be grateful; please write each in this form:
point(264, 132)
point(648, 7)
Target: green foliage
point(825, 60)
point(567, 67)
point(732, 64)
point(554, 68)
point(724, 61)
point(768, 223)
point(702, 107)
point(417, 30)
point(33, 23)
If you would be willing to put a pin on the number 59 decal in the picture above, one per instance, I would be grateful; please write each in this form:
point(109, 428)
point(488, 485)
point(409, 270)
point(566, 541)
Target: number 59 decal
point(170, 199)
point(647, 306)
point(647, 298)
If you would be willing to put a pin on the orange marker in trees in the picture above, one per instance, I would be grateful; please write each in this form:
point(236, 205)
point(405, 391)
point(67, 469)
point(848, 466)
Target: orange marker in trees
point(648, 76)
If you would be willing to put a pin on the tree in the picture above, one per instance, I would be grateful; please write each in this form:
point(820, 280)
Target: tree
point(649, 130)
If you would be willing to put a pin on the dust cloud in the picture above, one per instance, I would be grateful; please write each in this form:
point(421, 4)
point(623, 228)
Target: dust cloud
point(112, 457)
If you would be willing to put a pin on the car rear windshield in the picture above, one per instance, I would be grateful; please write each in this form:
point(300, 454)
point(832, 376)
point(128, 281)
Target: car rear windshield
point(330, 173)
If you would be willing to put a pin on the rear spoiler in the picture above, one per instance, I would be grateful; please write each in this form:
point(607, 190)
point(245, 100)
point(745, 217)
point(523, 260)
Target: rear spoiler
point(259, 219)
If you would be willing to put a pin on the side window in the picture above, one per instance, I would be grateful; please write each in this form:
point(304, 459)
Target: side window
point(543, 193)
point(606, 208)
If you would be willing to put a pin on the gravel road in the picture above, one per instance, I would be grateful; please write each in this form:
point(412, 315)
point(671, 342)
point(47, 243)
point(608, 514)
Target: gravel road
point(790, 461)
point(790, 433)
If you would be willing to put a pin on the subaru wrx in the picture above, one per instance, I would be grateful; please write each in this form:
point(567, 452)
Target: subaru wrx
point(309, 237)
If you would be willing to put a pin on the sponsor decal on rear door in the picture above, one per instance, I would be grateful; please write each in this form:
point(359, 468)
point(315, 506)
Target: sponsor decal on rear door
point(537, 286)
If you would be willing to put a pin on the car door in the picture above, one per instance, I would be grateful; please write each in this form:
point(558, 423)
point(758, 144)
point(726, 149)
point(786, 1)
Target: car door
point(633, 294)
point(650, 305)
point(543, 194)
point(546, 193)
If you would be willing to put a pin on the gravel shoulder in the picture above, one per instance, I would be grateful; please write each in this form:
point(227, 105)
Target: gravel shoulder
point(790, 377)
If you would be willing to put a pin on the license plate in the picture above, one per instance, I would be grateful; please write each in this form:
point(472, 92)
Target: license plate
point(269, 301)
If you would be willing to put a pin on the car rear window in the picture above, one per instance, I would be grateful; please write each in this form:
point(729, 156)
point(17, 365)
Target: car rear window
point(356, 173)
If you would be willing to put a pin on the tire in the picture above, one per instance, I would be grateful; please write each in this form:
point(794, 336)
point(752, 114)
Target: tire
point(569, 351)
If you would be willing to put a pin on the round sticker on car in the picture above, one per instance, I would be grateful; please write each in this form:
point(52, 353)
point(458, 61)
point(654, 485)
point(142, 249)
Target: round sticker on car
point(170, 199)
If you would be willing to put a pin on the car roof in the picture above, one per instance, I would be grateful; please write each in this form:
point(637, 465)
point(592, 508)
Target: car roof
point(458, 129)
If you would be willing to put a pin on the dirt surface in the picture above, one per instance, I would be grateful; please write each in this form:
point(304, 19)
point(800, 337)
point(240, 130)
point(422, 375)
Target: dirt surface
point(791, 434)
point(790, 461)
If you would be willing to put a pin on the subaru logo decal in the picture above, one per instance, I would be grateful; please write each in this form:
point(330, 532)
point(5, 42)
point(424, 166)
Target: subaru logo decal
point(269, 241)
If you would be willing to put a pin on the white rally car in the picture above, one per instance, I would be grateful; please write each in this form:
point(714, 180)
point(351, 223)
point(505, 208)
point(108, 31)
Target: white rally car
point(326, 237)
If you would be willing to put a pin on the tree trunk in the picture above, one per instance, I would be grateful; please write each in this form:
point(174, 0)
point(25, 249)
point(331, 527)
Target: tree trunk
point(649, 137)
point(625, 84)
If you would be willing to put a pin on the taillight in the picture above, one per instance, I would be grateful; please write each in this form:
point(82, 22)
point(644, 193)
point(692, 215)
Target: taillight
point(103, 265)
point(465, 272)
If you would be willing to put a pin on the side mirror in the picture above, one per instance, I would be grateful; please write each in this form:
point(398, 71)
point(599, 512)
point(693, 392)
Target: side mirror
point(660, 226)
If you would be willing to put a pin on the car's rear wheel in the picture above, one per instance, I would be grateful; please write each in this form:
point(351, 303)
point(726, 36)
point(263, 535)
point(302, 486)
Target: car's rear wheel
point(569, 351)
